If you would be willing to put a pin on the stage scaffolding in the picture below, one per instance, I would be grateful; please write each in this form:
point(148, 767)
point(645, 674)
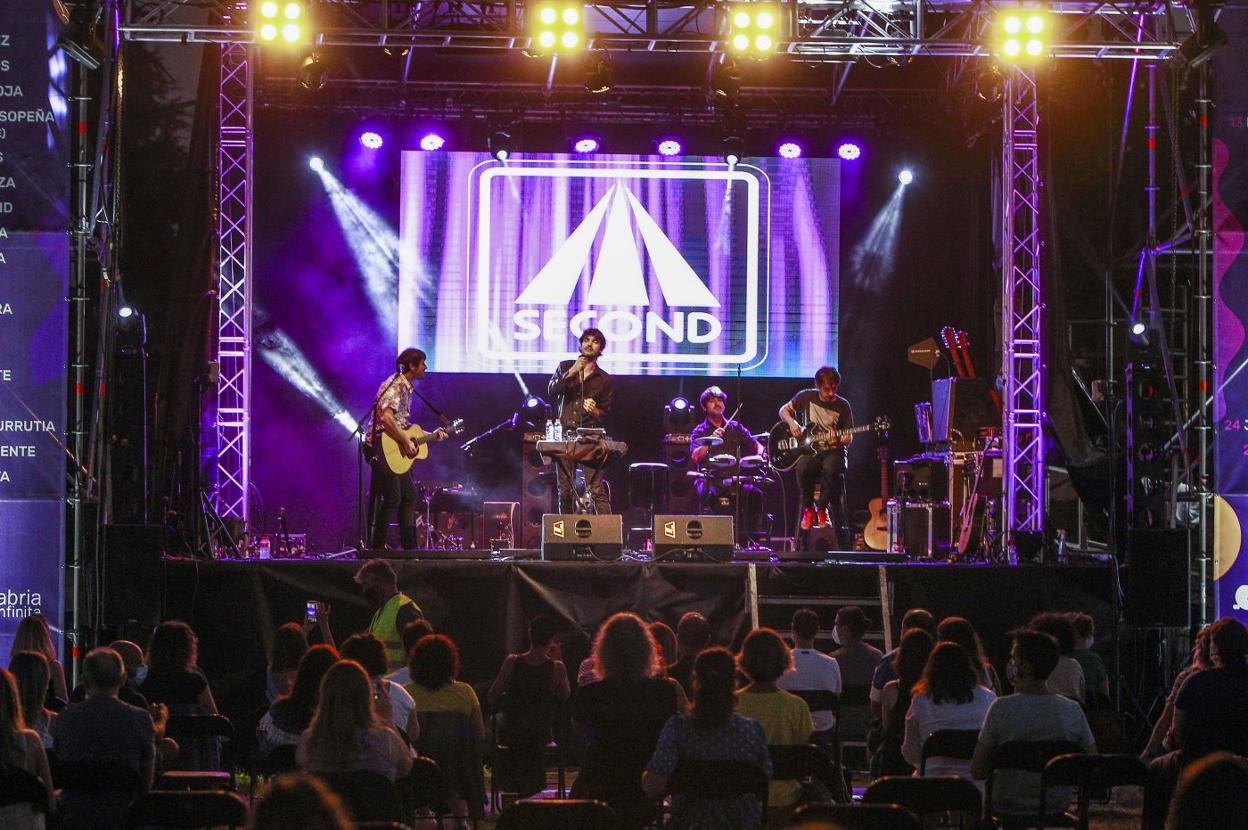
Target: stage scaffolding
point(816, 32)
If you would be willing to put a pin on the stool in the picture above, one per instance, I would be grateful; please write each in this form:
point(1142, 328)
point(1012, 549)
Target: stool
point(647, 492)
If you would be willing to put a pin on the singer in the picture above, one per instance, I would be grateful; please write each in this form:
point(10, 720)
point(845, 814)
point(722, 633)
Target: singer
point(583, 393)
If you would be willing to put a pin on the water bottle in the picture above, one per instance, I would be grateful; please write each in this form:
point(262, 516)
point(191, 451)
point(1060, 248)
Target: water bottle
point(893, 510)
point(264, 548)
point(550, 429)
point(1061, 547)
point(558, 430)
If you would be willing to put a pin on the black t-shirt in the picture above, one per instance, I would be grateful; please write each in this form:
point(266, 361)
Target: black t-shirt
point(738, 442)
point(567, 395)
point(1214, 704)
point(183, 688)
point(624, 720)
point(836, 414)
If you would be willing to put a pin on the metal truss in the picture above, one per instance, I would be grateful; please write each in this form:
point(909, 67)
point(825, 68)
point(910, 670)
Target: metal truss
point(234, 183)
point(1022, 362)
point(816, 31)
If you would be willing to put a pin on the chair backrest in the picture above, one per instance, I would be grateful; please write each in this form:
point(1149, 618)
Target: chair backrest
point(449, 739)
point(801, 762)
point(199, 726)
point(17, 786)
point(1031, 756)
point(424, 782)
point(558, 814)
point(281, 759)
point(95, 777)
point(1095, 771)
point(922, 796)
point(819, 700)
point(856, 694)
point(381, 825)
point(857, 816)
point(208, 808)
point(718, 779)
point(949, 743)
point(369, 796)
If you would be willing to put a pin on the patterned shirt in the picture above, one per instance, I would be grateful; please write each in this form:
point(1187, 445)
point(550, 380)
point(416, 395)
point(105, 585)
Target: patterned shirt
point(395, 393)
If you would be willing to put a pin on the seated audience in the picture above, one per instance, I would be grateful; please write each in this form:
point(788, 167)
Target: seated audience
point(666, 640)
point(948, 696)
point(298, 802)
point(1162, 738)
point(291, 713)
point(959, 630)
point(1210, 715)
point(885, 670)
point(394, 703)
point(33, 634)
point(1213, 792)
point(856, 658)
point(21, 749)
point(621, 716)
point(916, 647)
point(136, 671)
point(527, 691)
point(1033, 713)
point(104, 730)
point(784, 716)
point(1095, 675)
point(346, 732)
point(411, 634)
point(289, 644)
point(812, 671)
point(693, 633)
point(711, 733)
point(1067, 676)
point(30, 670)
point(173, 676)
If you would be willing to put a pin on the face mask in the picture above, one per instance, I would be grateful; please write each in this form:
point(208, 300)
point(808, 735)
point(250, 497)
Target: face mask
point(140, 674)
point(836, 635)
point(1011, 673)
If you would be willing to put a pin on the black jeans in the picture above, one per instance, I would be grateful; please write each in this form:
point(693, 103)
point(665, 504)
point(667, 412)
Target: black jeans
point(387, 493)
point(827, 471)
point(566, 469)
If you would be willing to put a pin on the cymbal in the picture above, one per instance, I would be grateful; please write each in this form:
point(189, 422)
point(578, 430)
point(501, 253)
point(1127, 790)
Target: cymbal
point(723, 461)
point(708, 440)
point(756, 481)
point(695, 474)
point(753, 462)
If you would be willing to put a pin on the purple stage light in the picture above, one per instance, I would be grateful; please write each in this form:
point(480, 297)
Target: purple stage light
point(432, 141)
point(372, 140)
point(586, 145)
point(790, 150)
point(849, 151)
point(669, 147)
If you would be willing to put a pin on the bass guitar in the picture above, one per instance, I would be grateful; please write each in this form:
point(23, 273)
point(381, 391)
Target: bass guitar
point(784, 450)
point(393, 453)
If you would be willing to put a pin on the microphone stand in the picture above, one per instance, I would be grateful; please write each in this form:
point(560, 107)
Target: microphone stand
point(506, 423)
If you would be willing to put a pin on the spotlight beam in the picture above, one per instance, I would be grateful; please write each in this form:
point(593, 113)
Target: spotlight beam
point(286, 358)
point(875, 257)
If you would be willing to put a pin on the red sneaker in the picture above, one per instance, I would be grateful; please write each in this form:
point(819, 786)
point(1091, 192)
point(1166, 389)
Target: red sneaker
point(808, 518)
point(821, 519)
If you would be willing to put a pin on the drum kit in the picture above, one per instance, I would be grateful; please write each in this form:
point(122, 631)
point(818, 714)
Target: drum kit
point(732, 485)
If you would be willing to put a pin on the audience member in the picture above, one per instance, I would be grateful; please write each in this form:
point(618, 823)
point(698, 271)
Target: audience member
point(1095, 675)
point(693, 633)
point(527, 691)
point(665, 638)
point(33, 634)
point(885, 670)
point(346, 733)
point(412, 632)
point(173, 676)
point(784, 716)
point(948, 696)
point(711, 733)
point(289, 644)
point(856, 658)
point(393, 703)
point(1033, 713)
point(30, 670)
point(1067, 676)
point(812, 671)
point(1213, 792)
point(395, 609)
point(1162, 737)
point(959, 630)
point(621, 716)
point(1210, 715)
point(291, 713)
point(21, 749)
point(104, 730)
point(916, 647)
point(298, 802)
point(136, 672)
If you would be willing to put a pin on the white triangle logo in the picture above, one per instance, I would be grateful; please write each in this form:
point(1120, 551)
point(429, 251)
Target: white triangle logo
point(618, 279)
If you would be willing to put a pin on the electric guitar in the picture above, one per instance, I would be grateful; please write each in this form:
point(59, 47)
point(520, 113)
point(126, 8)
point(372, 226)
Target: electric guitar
point(399, 463)
point(875, 534)
point(784, 450)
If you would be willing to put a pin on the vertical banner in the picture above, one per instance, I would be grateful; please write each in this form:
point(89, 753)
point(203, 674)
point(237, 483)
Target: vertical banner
point(34, 270)
point(1230, 286)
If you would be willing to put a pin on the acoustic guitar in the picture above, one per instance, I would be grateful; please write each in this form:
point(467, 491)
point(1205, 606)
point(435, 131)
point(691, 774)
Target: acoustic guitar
point(393, 453)
point(875, 534)
point(784, 450)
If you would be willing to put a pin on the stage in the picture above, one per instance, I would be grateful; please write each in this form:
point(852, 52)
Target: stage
point(234, 606)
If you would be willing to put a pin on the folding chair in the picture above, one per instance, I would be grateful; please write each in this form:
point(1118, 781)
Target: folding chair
point(856, 816)
point(808, 764)
point(1028, 756)
point(855, 709)
point(958, 744)
point(17, 786)
point(197, 736)
point(1088, 773)
point(720, 780)
point(281, 759)
point(938, 795)
point(369, 796)
point(188, 810)
point(558, 814)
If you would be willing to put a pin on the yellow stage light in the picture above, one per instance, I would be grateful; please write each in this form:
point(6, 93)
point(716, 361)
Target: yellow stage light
point(268, 9)
point(1021, 34)
point(752, 29)
point(764, 20)
point(548, 16)
point(546, 39)
point(571, 16)
point(279, 18)
point(558, 27)
point(268, 31)
point(292, 33)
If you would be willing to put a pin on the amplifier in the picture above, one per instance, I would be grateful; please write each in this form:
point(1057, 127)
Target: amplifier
point(693, 538)
point(582, 538)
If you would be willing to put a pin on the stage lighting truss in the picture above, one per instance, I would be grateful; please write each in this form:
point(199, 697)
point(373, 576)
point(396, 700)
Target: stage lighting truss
point(753, 29)
point(279, 21)
point(556, 28)
point(1021, 34)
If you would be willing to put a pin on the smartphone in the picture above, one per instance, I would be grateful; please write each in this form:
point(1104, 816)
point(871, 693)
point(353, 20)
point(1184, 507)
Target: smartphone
point(311, 611)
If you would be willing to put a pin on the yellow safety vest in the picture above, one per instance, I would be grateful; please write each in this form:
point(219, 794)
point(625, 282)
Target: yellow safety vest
point(385, 626)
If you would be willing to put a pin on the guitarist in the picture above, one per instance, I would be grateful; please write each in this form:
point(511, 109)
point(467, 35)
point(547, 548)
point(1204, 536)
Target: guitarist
point(824, 411)
point(389, 491)
point(582, 392)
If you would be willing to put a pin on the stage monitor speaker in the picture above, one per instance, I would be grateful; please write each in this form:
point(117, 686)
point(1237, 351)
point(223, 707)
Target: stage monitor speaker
point(693, 538)
point(132, 582)
point(1158, 593)
point(682, 497)
point(582, 537)
point(960, 407)
point(537, 492)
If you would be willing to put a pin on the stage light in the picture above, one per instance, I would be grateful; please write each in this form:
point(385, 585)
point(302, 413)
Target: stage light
point(533, 402)
point(500, 146)
point(989, 84)
point(79, 38)
point(1138, 328)
point(316, 164)
point(678, 416)
point(905, 176)
point(734, 150)
point(291, 32)
point(726, 77)
point(312, 73)
point(669, 147)
point(371, 140)
point(432, 141)
point(1022, 34)
point(282, 354)
point(272, 19)
point(599, 77)
point(753, 29)
point(558, 26)
point(849, 151)
point(790, 150)
point(588, 144)
point(679, 403)
point(125, 311)
point(292, 11)
point(268, 31)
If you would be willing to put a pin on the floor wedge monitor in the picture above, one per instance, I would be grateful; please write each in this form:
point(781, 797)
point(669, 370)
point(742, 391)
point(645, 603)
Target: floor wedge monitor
point(582, 538)
point(693, 538)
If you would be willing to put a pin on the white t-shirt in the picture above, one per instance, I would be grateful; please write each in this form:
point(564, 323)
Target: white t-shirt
point(926, 716)
point(813, 671)
point(1022, 717)
point(1067, 678)
point(401, 702)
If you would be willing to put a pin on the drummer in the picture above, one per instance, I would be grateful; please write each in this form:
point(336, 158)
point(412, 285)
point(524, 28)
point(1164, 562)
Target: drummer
point(727, 447)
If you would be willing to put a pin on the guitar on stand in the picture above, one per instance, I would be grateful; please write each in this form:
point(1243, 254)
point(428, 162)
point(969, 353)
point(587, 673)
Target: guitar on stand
point(393, 453)
point(784, 450)
point(875, 534)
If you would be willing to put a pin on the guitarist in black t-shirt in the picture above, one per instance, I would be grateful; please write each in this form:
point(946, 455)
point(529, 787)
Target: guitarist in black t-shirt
point(823, 410)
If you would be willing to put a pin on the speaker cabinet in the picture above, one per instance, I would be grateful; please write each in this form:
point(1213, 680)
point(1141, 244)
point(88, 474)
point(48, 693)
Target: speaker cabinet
point(925, 529)
point(132, 584)
point(693, 538)
point(537, 492)
point(1158, 593)
point(582, 537)
point(960, 407)
point(681, 495)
